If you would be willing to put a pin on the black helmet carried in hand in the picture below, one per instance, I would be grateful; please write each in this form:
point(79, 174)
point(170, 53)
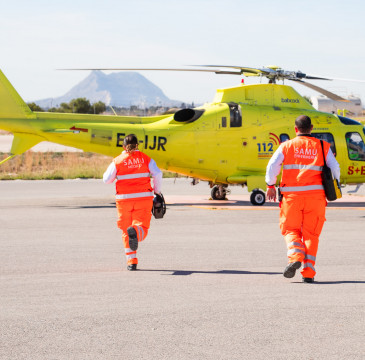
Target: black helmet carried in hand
point(159, 206)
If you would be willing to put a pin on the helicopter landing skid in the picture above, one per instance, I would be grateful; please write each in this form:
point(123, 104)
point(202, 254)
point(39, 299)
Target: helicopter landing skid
point(356, 189)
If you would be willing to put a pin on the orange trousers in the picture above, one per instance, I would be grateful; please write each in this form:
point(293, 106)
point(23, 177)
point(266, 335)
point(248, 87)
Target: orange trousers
point(136, 213)
point(301, 221)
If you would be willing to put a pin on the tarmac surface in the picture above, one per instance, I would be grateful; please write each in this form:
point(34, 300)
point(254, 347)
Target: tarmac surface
point(210, 283)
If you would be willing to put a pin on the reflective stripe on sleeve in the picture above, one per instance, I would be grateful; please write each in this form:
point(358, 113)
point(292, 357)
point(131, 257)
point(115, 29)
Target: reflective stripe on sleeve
point(301, 167)
point(132, 176)
point(132, 196)
point(301, 188)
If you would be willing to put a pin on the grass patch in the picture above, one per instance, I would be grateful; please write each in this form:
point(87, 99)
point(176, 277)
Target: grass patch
point(57, 166)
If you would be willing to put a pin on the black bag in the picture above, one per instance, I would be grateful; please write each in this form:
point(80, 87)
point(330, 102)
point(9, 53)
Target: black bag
point(158, 206)
point(331, 185)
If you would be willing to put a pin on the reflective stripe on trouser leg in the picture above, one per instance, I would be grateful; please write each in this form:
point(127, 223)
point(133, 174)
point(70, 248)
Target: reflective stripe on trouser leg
point(141, 233)
point(125, 211)
point(291, 219)
point(131, 256)
point(136, 213)
point(315, 207)
point(141, 218)
point(308, 265)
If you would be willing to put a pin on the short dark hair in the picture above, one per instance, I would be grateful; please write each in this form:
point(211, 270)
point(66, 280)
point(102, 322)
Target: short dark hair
point(303, 123)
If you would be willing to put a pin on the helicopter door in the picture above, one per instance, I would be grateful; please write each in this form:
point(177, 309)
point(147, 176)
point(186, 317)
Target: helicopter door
point(355, 146)
point(356, 154)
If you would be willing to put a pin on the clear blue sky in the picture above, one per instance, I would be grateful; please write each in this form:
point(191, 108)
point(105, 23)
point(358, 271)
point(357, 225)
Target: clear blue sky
point(320, 37)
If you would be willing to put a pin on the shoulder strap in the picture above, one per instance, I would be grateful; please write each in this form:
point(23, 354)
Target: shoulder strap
point(324, 158)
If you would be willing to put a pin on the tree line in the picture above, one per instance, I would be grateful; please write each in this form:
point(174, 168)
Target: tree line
point(83, 106)
point(78, 106)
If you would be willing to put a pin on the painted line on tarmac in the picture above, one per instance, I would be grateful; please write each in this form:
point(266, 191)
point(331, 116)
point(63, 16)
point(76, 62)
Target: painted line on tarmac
point(234, 208)
point(266, 208)
point(346, 208)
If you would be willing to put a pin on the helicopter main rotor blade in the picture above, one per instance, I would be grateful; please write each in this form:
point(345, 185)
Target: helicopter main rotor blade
point(329, 94)
point(273, 73)
point(311, 77)
point(352, 80)
point(216, 71)
point(247, 71)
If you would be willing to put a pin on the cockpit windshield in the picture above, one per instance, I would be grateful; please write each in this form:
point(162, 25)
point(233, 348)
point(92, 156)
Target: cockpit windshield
point(348, 121)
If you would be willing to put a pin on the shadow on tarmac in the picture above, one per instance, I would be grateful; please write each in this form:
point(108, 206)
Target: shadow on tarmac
point(240, 203)
point(67, 207)
point(221, 204)
point(226, 204)
point(226, 272)
point(333, 282)
point(338, 282)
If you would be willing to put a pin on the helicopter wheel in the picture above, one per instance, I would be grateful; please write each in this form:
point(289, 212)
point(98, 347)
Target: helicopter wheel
point(218, 193)
point(257, 197)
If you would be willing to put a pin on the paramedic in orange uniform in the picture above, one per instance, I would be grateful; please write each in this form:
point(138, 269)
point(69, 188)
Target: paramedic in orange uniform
point(302, 209)
point(134, 194)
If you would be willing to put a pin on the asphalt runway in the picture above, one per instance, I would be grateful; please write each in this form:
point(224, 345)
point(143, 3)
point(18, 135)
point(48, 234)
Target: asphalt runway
point(210, 283)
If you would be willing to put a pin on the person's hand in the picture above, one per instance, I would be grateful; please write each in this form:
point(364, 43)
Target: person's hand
point(271, 194)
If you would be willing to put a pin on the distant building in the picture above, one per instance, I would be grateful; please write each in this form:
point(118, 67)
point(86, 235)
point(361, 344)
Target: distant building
point(352, 107)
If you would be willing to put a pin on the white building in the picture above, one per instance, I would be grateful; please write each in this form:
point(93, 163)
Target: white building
point(352, 107)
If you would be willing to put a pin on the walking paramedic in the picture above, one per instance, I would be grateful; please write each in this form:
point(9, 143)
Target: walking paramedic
point(303, 204)
point(134, 194)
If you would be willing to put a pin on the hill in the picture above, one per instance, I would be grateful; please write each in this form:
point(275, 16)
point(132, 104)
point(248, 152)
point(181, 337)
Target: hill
point(121, 89)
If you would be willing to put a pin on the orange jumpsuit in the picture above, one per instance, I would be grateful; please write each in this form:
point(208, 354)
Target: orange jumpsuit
point(302, 211)
point(301, 221)
point(134, 195)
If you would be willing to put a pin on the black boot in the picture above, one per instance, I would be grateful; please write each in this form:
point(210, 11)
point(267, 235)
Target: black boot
point(132, 267)
point(308, 280)
point(133, 239)
point(290, 270)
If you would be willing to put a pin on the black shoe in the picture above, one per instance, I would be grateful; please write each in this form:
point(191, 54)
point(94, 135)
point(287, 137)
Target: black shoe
point(290, 270)
point(132, 267)
point(308, 280)
point(133, 239)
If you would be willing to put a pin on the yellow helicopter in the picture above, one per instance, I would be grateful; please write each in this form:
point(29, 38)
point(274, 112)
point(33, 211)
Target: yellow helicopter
point(226, 142)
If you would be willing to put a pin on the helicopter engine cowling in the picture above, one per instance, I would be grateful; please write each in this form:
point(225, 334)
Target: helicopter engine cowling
point(188, 115)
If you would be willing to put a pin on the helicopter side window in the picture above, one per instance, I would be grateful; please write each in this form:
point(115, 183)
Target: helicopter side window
point(235, 115)
point(326, 137)
point(284, 137)
point(355, 146)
